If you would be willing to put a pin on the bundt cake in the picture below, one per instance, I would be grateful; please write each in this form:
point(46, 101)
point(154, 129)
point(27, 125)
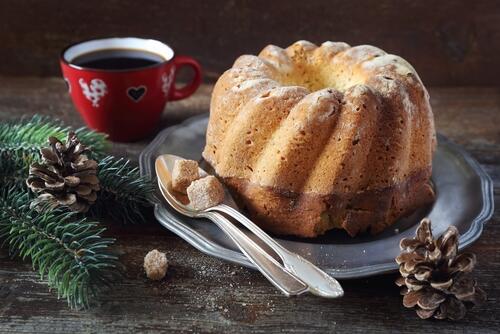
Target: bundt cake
point(313, 138)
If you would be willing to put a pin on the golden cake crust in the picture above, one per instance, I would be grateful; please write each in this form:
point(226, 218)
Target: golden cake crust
point(331, 125)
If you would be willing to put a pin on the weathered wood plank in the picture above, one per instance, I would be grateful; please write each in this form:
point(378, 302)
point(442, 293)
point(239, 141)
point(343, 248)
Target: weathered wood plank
point(448, 42)
point(202, 294)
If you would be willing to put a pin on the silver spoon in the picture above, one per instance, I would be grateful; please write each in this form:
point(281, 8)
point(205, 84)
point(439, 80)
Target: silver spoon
point(319, 282)
point(268, 266)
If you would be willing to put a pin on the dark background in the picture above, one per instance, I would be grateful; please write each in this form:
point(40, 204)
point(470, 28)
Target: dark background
point(450, 43)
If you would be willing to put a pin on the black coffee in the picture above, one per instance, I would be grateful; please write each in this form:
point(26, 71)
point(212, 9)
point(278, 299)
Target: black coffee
point(117, 59)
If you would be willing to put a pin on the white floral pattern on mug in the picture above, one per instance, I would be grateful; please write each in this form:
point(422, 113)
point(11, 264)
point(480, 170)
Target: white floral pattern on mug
point(95, 91)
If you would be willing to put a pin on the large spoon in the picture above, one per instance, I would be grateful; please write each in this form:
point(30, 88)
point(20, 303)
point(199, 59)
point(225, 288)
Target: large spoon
point(319, 282)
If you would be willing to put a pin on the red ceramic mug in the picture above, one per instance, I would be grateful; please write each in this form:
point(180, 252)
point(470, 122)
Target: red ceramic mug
point(124, 96)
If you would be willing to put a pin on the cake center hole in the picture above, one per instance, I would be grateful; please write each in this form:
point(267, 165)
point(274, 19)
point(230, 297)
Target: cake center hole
point(315, 77)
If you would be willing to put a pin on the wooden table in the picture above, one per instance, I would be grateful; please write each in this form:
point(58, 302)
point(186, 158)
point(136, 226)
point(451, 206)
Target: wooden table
point(204, 294)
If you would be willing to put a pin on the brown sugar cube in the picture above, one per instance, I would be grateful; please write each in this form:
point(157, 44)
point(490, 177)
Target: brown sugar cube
point(155, 265)
point(183, 173)
point(205, 193)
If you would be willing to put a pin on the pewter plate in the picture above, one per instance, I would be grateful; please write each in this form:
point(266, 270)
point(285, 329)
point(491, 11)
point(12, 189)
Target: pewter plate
point(464, 199)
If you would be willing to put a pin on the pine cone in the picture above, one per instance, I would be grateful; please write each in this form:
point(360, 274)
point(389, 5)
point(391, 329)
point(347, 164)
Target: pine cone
point(66, 176)
point(434, 278)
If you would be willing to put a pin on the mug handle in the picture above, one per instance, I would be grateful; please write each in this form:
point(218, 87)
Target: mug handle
point(182, 93)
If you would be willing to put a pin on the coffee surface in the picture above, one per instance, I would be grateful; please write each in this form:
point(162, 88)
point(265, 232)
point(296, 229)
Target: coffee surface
point(117, 59)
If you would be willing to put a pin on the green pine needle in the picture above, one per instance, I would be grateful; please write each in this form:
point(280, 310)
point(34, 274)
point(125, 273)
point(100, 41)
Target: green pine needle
point(30, 135)
point(67, 250)
point(14, 167)
point(124, 192)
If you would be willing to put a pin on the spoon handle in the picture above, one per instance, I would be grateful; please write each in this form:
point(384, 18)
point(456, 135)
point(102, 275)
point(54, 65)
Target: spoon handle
point(268, 266)
point(319, 282)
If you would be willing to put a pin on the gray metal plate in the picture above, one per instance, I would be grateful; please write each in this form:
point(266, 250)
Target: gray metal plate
point(464, 199)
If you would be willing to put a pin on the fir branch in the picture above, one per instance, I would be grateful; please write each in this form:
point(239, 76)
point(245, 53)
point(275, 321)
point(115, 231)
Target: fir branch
point(30, 135)
point(69, 251)
point(124, 192)
point(64, 247)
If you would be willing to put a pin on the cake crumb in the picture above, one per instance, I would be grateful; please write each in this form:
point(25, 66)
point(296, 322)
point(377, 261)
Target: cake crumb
point(183, 173)
point(205, 193)
point(155, 265)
